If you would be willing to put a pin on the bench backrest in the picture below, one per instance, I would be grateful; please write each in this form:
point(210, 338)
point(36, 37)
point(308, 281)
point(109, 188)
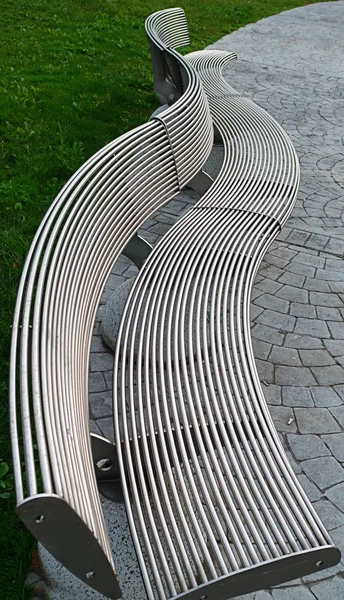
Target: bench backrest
point(85, 230)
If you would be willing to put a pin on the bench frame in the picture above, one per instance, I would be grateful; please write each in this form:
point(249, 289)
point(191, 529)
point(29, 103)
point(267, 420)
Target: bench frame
point(54, 408)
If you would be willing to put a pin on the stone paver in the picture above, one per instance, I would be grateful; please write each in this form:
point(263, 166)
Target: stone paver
point(291, 65)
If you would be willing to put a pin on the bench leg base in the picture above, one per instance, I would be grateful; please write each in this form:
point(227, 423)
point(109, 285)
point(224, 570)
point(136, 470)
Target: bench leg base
point(106, 468)
point(137, 250)
point(201, 182)
point(112, 490)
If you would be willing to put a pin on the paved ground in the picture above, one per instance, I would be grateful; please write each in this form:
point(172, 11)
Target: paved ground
point(292, 65)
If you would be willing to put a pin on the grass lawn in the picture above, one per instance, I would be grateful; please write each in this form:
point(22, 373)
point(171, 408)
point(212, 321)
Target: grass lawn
point(74, 75)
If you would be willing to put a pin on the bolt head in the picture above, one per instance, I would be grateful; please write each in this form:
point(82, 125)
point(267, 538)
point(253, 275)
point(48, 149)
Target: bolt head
point(39, 519)
point(90, 575)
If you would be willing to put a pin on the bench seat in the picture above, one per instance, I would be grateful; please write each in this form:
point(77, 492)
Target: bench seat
point(214, 506)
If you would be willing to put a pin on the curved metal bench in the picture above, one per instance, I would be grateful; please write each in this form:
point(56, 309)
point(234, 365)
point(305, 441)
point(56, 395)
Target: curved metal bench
point(89, 224)
point(214, 507)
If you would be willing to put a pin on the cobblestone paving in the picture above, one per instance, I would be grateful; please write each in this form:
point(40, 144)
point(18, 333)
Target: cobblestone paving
point(291, 65)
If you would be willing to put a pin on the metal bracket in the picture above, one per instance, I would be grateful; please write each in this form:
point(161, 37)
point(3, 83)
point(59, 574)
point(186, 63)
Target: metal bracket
point(65, 535)
point(138, 249)
point(106, 468)
point(201, 182)
point(168, 79)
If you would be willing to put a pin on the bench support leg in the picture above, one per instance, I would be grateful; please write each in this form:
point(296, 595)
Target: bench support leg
point(137, 250)
point(106, 468)
point(65, 535)
point(201, 182)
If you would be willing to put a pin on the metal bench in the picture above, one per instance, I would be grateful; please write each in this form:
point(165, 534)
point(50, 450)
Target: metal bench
point(213, 505)
point(92, 220)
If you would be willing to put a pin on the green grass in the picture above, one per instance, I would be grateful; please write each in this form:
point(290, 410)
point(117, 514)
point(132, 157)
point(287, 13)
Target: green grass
point(74, 75)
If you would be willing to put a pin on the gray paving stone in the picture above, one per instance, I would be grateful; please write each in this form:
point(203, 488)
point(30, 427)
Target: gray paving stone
point(303, 310)
point(300, 269)
point(96, 382)
point(302, 341)
point(275, 260)
point(338, 413)
point(335, 247)
point(297, 397)
point(329, 375)
point(337, 286)
point(114, 281)
point(267, 285)
point(288, 584)
point(106, 427)
point(94, 427)
point(336, 495)
point(292, 593)
point(297, 376)
point(322, 299)
point(100, 361)
point(283, 251)
point(316, 420)
point(323, 471)
point(283, 235)
point(292, 279)
point(255, 311)
point(335, 442)
point(101, 404)
point(328, 275)
point(329, 590)
point(273, 394)
point(261, 349)
point(312, 327)
point(315, 358)
point(160, 228)
point(329, 314)
point(285, 356)
point(281, 416)
point(335, 347)
point(267, 334)
point(293, 294)
point(337, 536)
point(335, 263)
point(325, 397)
point(339, 389)
point(130, 272)
point(256, 293)
point(109, 379)
point(336, 329)
point(97, 344)
point(316, 285)
point(309, 259)
point(331, 516)
point(313, 493)
point(318, 242)
point(272, 302)
point(299, 238)
point(96, 327)
point(265, 371)
point(307, 447)
point(270, 271)
point(276, 320)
